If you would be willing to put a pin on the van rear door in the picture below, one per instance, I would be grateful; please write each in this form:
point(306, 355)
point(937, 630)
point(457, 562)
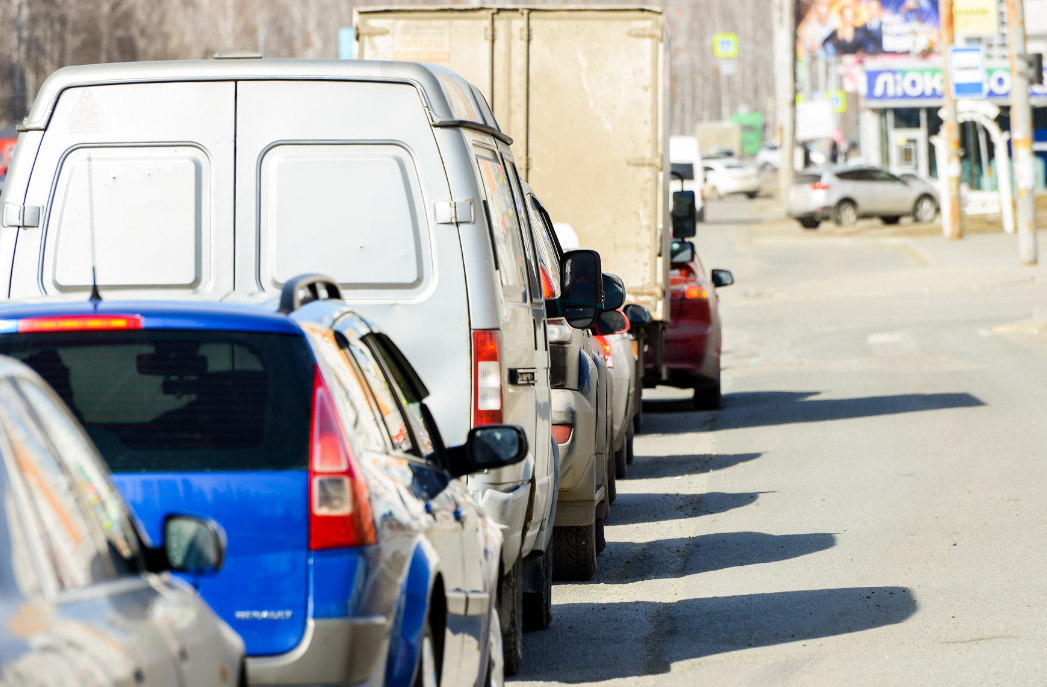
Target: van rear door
point(144, 172)
point(341, 178)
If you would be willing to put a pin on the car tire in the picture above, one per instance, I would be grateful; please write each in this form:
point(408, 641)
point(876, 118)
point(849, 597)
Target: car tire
point(924, 210)
point(621, 458)
point(810, 223)
point(638, 418)
point(426, 674)
point(494, 675)
point(629, 436)
point(512, 631)
point(845, 214)
point(612, 482)
point(890, 220)
point(538, 606)
point(752, 194)
point(601, 541)
point(574, 553)
point(708, 397)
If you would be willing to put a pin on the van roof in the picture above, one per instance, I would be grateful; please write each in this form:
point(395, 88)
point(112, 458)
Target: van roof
point(435, 84)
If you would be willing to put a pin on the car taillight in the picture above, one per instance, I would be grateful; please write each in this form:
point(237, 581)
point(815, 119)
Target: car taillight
point(562, 433)
point(694, 292)
point(339, 505)
point(79, 323)
point(487, 377)
point(606, 346)
point(636, 349)
point(819, 186)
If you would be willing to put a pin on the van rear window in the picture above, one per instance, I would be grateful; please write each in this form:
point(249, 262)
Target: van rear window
point(172, 401)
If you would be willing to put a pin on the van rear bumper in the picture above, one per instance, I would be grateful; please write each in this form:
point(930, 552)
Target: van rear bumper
point(333, 651)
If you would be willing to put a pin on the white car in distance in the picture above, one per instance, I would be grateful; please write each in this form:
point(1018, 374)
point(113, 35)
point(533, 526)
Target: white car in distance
point(727, 176)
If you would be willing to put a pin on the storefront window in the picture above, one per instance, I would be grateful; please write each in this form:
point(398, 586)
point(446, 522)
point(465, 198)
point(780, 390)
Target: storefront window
point(907, 118)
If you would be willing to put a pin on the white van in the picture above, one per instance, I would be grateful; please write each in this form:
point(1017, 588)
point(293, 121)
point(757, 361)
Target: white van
point(688, 172)
point(234, 175)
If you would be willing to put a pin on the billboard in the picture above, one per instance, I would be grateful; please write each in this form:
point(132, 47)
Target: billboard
point(825, 28)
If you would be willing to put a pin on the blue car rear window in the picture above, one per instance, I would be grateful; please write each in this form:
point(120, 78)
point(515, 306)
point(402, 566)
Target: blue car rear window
point(171, 401)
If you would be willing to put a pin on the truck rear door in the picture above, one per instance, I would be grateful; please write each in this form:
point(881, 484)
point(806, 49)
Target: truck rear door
point(140, 177)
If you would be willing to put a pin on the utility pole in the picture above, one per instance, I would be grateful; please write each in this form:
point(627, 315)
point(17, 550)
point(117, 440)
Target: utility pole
point(785, 89)
point(1021, 131)
point(951, 206)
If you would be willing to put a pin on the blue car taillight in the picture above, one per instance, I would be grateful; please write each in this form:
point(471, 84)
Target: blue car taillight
point(339, 505)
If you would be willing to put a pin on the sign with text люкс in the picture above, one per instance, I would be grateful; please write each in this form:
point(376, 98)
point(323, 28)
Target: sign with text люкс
point(967, 68)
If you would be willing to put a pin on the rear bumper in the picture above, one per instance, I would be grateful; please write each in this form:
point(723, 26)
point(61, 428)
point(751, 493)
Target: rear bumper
point(333, 651)
point(577, 497)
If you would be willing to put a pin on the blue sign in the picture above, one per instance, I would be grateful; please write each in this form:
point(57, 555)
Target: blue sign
point(967, 69)
point(345, 44)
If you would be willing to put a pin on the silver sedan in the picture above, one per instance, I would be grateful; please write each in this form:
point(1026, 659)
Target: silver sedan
point(844, 194)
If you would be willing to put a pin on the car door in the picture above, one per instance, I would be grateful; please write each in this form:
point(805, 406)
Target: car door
point(896, 196)
point(94, 559)
point(202, 652)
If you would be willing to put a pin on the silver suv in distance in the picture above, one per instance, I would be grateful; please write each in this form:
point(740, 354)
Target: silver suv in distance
point(844, 194)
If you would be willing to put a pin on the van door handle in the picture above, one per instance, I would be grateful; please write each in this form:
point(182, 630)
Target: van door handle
point(523, 376)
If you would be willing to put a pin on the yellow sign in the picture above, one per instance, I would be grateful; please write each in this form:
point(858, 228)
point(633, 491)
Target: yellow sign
point(838, 99)
point(976, 17)
point(725, 45)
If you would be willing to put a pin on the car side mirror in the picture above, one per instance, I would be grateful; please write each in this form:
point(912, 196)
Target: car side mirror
point(681, 252)
point(581, 279)
point(637, 314)
point(722, 278)
point(193, 545)
point(684, 214)
point(488, 447)
point(613, 292)
point(612, 322)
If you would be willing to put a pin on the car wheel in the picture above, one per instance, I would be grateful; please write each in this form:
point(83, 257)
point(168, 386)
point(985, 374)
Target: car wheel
point(538, 606)
point(810, 223)
point(612, 482)
point(638, 418)
point(425, 675)
point(601, 542)
point(574, 553)
point(512, 633)
point(621, 458)
point(890, 220)
point(752, 194)
point(924, 210)
point(494, 676)
point(629, 445)
point(845, 214)
point(708, 398)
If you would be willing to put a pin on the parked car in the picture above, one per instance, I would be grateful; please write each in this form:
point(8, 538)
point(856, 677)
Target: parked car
point(845, 194)
point(356, 551)
point(769, 156)
point(620, 350)
point(685, 156)
point(692, 339)
point(87, 599)
point(413, 204)
point(724, 177)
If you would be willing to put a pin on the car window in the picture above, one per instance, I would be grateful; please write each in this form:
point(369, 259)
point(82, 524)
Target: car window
point(401, 389)
point(384, 396)
point(523, 216)
point(880, 175)
point(501, 209)
point(89, 475)
point(548, 255)
point(855, 175)
point(74, 548)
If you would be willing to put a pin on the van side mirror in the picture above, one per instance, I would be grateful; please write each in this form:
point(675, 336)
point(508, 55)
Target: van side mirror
point(612, 322)
point(637, 314)
point(681, 252)
point(488, 447)
point(193, 545)
point(722, 278)
point(581, 279)
point(685, 215)
point(613, 292)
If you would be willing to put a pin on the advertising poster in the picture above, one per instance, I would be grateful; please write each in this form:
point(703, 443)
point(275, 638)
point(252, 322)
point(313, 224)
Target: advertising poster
point(825, 28)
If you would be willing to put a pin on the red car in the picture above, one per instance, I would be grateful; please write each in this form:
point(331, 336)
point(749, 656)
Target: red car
point(691, 351)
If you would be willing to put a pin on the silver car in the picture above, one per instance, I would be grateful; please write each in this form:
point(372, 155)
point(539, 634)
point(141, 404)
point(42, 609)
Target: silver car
point(85, 598)
point(844, 194)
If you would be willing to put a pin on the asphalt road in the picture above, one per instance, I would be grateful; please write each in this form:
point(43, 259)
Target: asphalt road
point(868, 507)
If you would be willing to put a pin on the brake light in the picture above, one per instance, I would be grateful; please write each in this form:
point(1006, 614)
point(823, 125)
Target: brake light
point(339, 505)
point(819, 186)
point(562, 433)
point(636, 350)
point(606, 346)
point(79, 323)
point(487, 377)
point(694, 291)
point(547, 284)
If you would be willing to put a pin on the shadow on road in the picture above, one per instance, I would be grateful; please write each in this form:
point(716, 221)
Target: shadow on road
point(632, 509)
point(627, 562)
point(633, 638)
point(657, 467)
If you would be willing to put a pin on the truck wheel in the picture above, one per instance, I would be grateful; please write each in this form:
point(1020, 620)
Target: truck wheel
point(621, 456)
point(538, 606)
point(629, 446)
point(512, 630)
point(574, 553)
point(601, 542)
point(845, 213)
point(708, 398)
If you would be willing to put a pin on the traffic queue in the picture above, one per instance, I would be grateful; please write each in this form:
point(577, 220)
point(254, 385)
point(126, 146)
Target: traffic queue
point(301, 384)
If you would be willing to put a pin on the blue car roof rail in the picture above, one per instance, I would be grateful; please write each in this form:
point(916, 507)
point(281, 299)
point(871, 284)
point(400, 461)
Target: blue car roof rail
point(306, 288)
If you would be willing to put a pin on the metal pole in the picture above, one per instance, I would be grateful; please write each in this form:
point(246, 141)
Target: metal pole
point(785, 90)
point(1021, 132)
point(951, 206)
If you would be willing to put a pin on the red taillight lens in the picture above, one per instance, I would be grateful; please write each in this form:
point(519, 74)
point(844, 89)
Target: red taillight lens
point(819, 186)
point(547, 284)
point(562, 433)
point(339, 505)
point(79, 323)
point(487, 377)
point(694, 292)
point(606, 346)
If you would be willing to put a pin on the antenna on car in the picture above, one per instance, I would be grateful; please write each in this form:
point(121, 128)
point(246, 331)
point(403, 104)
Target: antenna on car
point(95, 297)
